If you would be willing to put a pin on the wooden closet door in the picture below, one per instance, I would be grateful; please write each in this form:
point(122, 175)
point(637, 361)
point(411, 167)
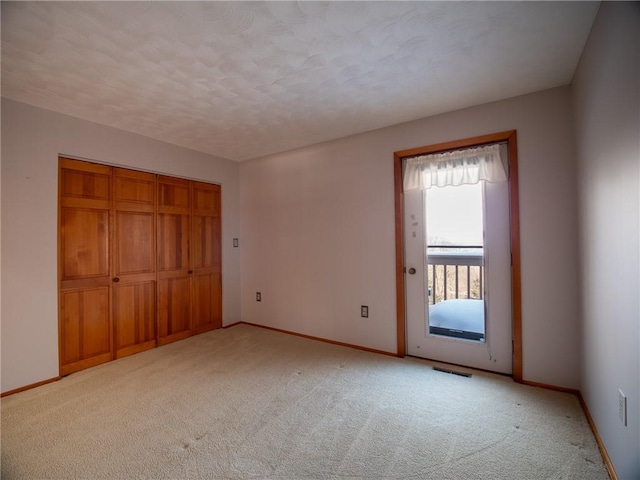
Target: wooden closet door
point(134, 261)
point(85, 325)
point(174, 266)
point(206, 258)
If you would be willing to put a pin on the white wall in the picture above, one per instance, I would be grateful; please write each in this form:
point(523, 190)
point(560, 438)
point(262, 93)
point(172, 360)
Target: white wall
point(32, 139)
point(318, 231)
point(607, 120)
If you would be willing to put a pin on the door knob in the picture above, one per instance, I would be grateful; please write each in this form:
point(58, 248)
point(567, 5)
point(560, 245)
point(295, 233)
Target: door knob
point(116, 279)
point(412, 271)
point(190, 272)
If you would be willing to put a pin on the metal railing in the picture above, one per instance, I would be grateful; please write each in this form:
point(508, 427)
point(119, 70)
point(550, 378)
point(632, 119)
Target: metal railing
point(454, 271)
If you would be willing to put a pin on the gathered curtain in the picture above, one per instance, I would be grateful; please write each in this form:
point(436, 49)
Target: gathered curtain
point(457, 167)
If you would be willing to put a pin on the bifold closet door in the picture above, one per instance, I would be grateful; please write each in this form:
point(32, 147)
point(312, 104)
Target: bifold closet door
point(134, 261)
point(139, 261)
point(206, 258)
point(174, 265)
point(85, 326)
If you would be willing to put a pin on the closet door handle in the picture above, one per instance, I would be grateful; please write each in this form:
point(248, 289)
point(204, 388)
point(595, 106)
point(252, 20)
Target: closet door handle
point(190, 272)
point(116, 279)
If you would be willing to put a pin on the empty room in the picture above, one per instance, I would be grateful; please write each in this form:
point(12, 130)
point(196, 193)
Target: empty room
point(309, 240)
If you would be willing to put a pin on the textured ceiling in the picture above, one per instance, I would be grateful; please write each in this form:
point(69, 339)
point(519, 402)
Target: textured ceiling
point(244, 79)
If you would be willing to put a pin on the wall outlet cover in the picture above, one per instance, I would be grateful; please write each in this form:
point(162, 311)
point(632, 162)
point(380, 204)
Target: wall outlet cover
point(622, 407)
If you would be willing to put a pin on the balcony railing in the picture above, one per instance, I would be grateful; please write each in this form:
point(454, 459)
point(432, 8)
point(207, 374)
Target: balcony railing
point(454, 272)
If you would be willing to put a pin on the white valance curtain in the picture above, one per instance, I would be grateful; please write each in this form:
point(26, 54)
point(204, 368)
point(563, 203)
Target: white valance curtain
point(457, 167)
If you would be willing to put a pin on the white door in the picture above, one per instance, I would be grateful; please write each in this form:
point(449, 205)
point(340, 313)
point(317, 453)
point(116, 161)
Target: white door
point(494, 350)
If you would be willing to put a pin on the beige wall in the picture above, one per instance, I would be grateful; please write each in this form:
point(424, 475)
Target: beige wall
point(32, 139)
point(318, 231)
point(607, 119)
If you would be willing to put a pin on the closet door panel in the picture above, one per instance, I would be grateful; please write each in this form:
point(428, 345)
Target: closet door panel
point(84, 329)
point(207, 314)
point(84, 184)
point(207, 311)
point(84, 243)
point(174, 277)
point(134, 262)
point(134, 190)
point(174, 261)
point(206, 242)
point(174, 195)
point(206, 239)
point(135, 243)
point(84, 270)
point(94, 317)
point(135, 308)
point(134, 285)
point(174, 309)
point(173, 242)
point(206, 199)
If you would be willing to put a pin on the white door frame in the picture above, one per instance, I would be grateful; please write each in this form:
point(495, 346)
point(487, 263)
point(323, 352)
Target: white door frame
point(511, 138)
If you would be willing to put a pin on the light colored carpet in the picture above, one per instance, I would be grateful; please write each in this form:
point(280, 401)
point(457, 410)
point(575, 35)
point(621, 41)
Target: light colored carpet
point(249, 403)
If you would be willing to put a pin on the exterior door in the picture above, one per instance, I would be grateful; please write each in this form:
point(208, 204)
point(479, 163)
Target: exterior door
point(134, 261)
point(494, 352)
point(174, 265)
point(85, 227)
point(206, 258)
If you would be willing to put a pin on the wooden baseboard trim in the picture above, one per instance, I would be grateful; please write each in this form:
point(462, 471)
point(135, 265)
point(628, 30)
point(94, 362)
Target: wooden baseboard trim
point(231, 325)
point(29, 387)
point(603, 451)
point(546, 386)
point(320, 339)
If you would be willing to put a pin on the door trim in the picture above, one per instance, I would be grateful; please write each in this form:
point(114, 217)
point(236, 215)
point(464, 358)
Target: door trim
point(514, 225)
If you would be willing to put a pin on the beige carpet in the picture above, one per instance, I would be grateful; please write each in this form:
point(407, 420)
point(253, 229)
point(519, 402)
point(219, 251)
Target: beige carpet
point(249, 403)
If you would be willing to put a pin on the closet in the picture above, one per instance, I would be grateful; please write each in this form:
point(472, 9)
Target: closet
point(139, 261)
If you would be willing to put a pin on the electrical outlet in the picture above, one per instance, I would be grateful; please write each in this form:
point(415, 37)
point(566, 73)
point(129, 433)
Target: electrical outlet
point(364, 311)
point(235, 243)
point(258, 297)
point(622, 407)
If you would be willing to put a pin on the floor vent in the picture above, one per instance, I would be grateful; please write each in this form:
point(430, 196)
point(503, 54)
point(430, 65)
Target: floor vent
point(453, 372)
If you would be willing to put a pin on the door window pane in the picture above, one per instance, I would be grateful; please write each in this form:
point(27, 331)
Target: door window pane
point(454, 253)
